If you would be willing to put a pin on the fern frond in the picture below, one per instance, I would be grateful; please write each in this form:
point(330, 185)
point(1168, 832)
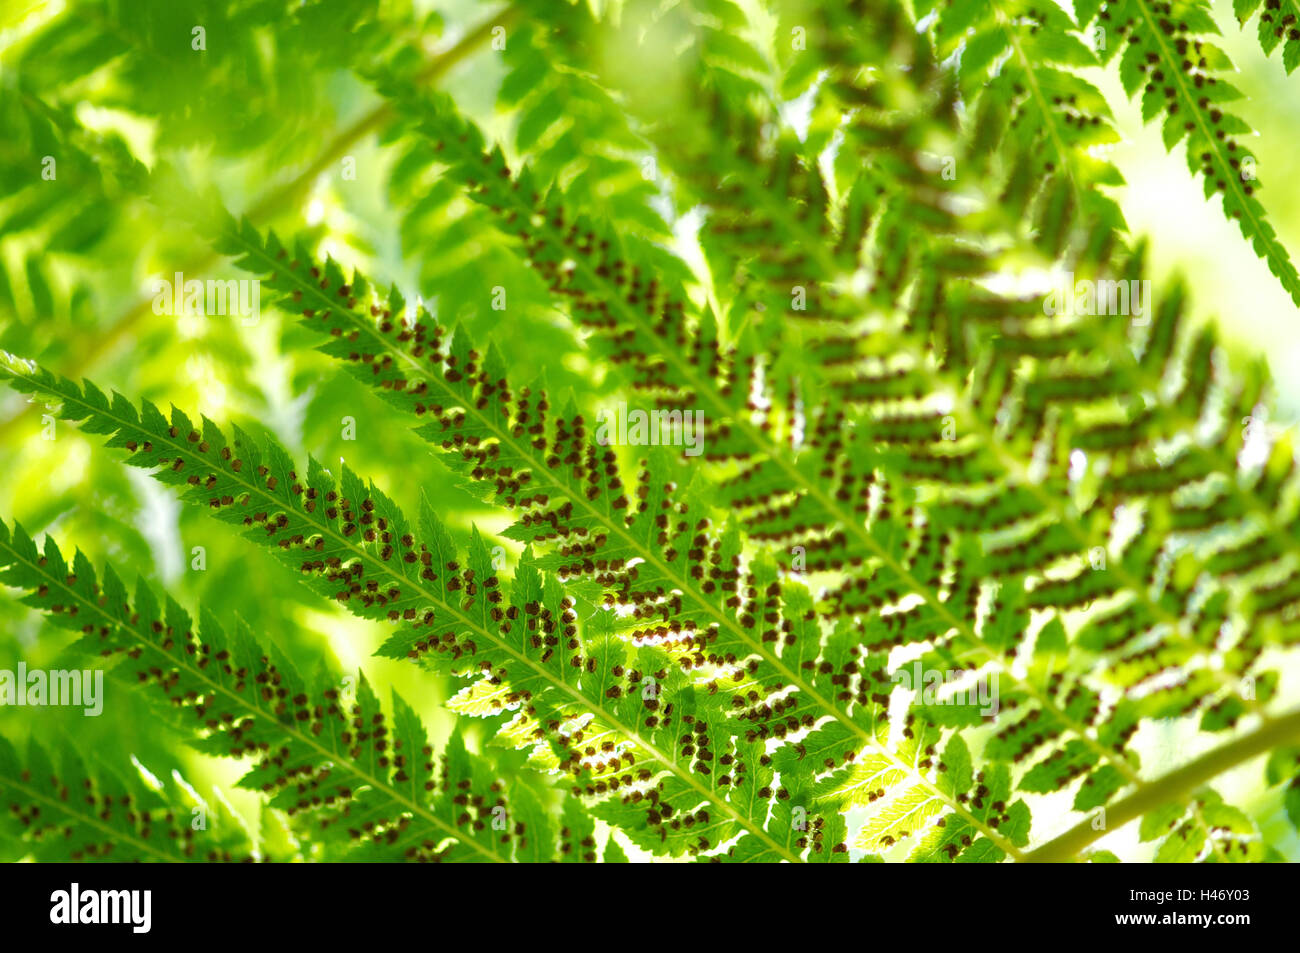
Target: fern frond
point(893, 575)
point(560, 113)
point(1016, 63)
point(517, 453)
point(1078, 391)
point(1082, 524)
point(357, 773)
point(1279, 25)
point(1104, 773)
point(66, 210)
point(353, 545)
point(1223, 694)
point(1169, 56)
point(65, 811)
point(1152, 375)
point(150, 48)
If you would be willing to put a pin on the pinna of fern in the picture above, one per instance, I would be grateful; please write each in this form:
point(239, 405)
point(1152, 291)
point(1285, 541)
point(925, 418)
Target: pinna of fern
point(358, 777)
point(1168, 55)
point(61, 809)
point(576, 694)
point(1279, 25)
point(932, 544)
point(1111, 783)
point(559, 480)
point(466, 390)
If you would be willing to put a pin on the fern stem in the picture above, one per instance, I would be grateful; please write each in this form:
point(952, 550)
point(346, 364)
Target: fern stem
point(1175, 785)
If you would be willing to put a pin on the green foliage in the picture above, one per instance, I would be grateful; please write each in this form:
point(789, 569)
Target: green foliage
point(336, 760)
point(1279, 25)
point(1168, 56)
point(60, 811)
point(954, 572)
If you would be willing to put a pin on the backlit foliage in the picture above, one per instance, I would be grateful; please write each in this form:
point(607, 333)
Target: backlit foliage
point(821, 229)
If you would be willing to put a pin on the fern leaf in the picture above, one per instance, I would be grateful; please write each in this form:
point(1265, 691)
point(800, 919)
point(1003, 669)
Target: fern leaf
point(65, 811)
point(1017, 61)
point(443, 612)
point(342, 764)
point(1279, 25)
point(482, 428)
point(1167, 54)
